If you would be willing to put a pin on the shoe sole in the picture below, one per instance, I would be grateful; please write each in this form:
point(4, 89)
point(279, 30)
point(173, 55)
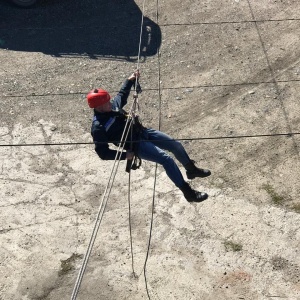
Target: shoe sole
point(194, 176)
point(200, 200)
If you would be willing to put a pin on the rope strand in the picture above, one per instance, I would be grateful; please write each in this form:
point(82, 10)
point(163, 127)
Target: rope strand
point(110, 183)
point(155, 174)
point(287, 134)
point(101, 211)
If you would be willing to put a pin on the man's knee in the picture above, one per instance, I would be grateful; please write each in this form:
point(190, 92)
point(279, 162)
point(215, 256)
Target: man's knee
point(167, 160)
point(177, 146)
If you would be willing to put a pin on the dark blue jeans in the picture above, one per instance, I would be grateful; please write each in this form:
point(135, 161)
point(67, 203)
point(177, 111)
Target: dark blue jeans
point(152, 146)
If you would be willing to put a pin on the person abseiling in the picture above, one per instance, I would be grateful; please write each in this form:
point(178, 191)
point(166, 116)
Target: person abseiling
point(108, 125)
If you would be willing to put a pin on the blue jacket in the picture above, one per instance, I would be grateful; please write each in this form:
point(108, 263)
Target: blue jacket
point(108, 127)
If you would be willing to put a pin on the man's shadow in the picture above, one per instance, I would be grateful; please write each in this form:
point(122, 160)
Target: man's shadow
point(95, 28)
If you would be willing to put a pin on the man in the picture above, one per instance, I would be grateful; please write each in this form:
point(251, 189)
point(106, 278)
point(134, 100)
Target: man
point(149, 144)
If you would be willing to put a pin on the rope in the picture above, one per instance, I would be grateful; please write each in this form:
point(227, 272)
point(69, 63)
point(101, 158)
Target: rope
point(129, 211)
point(101, 211)
point(150, 233)
point(287, 134)
point(134, 109)
point(130, 226)
point(285, 114)
point(99, 27)
point(110, 184)
point(156, 166)
point(165, 88)
point(141, 33)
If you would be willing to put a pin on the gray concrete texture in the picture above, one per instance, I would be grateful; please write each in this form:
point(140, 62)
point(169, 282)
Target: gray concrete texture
point(225, 80)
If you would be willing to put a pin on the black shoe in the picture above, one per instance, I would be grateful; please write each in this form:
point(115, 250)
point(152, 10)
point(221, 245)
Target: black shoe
point(192, 171)
point(191, 195)
point(197, 197)
point(198, 173)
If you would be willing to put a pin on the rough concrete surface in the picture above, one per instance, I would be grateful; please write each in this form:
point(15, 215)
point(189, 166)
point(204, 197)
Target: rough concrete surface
point(223, 76)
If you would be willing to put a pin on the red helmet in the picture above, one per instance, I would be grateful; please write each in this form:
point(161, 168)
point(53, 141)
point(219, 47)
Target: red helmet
point(97, 97)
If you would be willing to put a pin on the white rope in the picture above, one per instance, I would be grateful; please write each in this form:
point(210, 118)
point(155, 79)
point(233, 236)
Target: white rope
point(133, 112)
point(113, 173)
point(155, 174)
point(141, 34)
point(101, 210)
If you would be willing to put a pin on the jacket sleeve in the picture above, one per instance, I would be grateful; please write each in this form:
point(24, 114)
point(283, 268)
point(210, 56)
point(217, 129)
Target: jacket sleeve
point(101, 144)
point(121, 99)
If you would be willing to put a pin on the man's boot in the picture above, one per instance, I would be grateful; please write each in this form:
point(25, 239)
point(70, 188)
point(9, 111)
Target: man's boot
point(192, 171)
point(191, 195)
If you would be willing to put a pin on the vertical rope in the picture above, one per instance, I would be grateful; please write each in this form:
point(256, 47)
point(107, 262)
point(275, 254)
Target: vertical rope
point(155, 174)
point(130, 227)
point(129, 212)
point(277, 88)
point(110, 182)
point(101, 211)
point(133, 112)
point(141, 34)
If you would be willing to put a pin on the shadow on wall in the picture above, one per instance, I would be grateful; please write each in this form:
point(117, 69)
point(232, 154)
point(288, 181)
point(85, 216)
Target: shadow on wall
point(94, 28)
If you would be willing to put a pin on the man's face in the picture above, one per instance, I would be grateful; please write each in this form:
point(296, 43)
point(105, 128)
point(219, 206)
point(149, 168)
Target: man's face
point(105, 107)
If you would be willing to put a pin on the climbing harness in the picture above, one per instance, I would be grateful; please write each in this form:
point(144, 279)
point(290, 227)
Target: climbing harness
point(133, 164)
